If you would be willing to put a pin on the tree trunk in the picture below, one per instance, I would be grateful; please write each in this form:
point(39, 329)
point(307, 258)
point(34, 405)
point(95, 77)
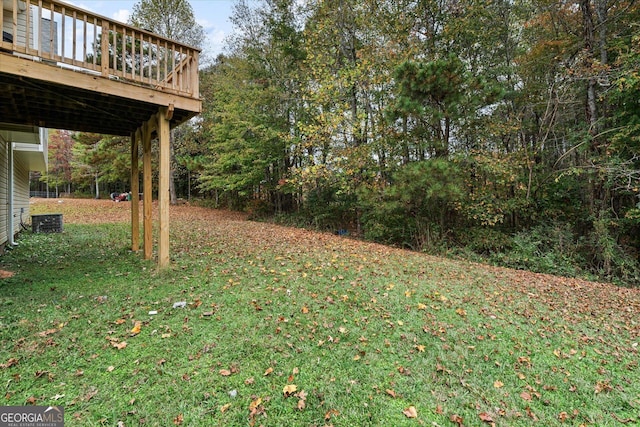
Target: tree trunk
point(587, 22)
point(189, 185)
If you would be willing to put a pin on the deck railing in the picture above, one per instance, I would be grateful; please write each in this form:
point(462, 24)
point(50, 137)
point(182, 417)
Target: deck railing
point(64, 35)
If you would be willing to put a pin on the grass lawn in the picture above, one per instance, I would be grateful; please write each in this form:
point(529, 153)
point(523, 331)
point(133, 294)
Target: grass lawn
point(287, 327)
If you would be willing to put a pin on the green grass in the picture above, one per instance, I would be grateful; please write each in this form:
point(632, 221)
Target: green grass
point(364, 331)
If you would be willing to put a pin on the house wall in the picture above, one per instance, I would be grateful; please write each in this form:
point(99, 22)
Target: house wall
point(7, 21)
point(20, 194)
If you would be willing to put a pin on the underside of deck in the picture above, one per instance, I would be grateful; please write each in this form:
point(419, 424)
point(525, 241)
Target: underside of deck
point(35, 93)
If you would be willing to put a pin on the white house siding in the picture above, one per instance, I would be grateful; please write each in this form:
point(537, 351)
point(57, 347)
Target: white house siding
point(4, 186)
point(7, 21)
point(20, 194)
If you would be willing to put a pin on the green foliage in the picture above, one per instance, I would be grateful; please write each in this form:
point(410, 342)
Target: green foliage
point(607, 257)
point(436, 84)
point(173, 19)
point(245, 146)
point(417, 208)
point(547, 248)
point(101, 160)
point(496, 190)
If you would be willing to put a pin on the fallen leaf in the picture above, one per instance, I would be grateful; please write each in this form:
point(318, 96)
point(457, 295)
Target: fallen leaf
point(136, 329)
point(461, 311)
point(422, 306)
point(391, 392)
point(255, 403)
point(224, 408)
point(525, 395)
point(410, 412)
point(90, 395)
point(330, 413)
point(487, 418)
point(289, 389)
point(530, 413)
point(602, 386)
point(498, 384)
point(304, 310)
point(225, 372)
point(12, 361)
point(39, 374)
point(301, 405)
point(4, 274)
point(268, 371)
point(249, 381)
point(110, 368)
point(178, 420)
point(119, 345)
point(456, 419)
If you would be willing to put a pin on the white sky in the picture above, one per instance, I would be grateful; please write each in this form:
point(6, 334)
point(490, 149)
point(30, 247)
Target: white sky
point(213, 15)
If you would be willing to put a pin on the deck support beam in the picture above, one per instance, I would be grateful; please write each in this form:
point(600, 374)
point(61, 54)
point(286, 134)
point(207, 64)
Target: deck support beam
point(159, 124)
point(164, 116)
point(135, 191)
point(147, 189)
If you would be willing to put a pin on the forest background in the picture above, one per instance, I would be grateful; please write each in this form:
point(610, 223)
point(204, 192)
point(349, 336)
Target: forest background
point(503, 131)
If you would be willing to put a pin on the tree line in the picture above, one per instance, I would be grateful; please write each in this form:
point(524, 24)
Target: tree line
point(505, 131)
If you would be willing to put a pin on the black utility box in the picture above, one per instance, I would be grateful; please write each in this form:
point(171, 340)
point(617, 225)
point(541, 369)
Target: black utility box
point(46, 223)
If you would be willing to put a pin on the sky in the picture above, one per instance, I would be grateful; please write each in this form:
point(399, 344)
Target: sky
point(213, 15)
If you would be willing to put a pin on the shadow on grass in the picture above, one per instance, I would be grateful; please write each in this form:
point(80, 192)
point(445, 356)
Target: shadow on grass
point(90, 254)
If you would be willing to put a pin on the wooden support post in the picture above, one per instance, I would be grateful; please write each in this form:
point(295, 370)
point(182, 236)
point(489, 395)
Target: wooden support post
point(104, 48)
point(163, 186)
point(195, 76)
point(146, 191)
point(135, 192)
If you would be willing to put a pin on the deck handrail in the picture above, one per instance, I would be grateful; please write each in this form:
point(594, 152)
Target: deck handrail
point(62, 34)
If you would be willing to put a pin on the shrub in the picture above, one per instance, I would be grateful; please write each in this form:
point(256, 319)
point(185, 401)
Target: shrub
point(544, 249)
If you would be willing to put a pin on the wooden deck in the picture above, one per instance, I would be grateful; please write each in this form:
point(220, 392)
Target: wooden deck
point(63, 67)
